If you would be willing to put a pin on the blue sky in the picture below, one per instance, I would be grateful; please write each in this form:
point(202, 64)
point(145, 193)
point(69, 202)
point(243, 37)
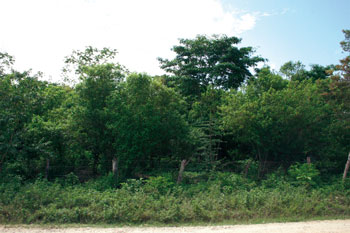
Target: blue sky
point(305, 30)
point(39, 33)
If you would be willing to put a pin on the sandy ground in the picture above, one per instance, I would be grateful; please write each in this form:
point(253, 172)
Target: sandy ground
point(332, 226)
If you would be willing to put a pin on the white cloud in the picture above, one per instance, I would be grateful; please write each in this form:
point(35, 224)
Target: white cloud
point(245, 23)
point(266, 14)
point(39, 33)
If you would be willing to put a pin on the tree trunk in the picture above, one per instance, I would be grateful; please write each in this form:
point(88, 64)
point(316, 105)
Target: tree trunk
point(47, 169)
point(247, 168)
point(182, 168)
point(115, 171)
point(94, 166)
point(308, 160)
point(346, 167)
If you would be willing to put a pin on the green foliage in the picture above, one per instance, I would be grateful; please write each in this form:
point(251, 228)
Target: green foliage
point(24, 134)
point(78, 62)
point(89, 118)
point(264, 81)
point(68, 180)
point(276, 180)
point(6, 62)
point(158, 184)
point(337, 94)
point(205, 119)
point(296, 71)
point(147, 124)
point(248, 167)
point(226, 197)
point(344, 66)
point(103, 183)
point(205, 61)
point(230, 182)
point(280, 123)
point(304, 174)
point(133, 185)
point(242, 134)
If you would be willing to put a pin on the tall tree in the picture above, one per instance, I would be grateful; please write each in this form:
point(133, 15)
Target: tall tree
point(205, 119)
point(205, 61)
point(99, 76)
point(337, 93)
point(296, 71)
point(6, 62)
point(344, 66)
point(21, 99)
point(76, 63)
point(98, 84)
point(280, 121)
point(147, 125)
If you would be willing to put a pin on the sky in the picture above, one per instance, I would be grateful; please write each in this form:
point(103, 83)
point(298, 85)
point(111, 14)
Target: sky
point(40, 33)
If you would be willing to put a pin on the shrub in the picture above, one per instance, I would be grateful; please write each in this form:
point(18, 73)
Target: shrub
point(132, 185)
point(103, 182)
point(68, 180)
point(304, 174)
point(158, 184)
point(225, 196)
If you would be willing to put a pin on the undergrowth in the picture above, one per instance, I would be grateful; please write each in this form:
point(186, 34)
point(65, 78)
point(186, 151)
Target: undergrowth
point(214, 197)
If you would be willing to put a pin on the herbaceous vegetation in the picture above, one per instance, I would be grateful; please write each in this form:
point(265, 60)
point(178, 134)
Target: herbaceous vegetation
point(214, 139)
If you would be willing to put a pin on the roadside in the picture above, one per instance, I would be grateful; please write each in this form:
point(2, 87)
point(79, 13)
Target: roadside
point(327, 226)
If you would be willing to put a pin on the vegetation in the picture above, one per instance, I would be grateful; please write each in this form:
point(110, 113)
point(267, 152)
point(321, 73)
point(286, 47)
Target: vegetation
point(214, 198)
point(209, 141)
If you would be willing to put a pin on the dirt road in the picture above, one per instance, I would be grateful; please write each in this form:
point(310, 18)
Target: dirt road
point(333, 226)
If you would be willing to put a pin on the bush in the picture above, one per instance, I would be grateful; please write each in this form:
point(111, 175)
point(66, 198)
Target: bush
point(103, 182)
point(194, 177)
point(133, 185)
point(231, 181)
point(275, 180)
point(304, 174)
point(225, 196)
point(68, 180)
point(158, 184)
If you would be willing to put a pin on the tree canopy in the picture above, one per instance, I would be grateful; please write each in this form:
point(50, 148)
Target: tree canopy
point(210, 112)
point(205, 61)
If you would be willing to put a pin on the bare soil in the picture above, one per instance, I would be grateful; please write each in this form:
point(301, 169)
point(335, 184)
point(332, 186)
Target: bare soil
point(329, 226)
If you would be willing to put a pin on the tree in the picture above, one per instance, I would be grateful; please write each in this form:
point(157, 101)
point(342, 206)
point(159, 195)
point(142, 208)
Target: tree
point(278, 122)
point(32, 120)
point(318, 72)
point(6, 62)
point(22, 100)
point(203, 69)
point(90, 119)
point(205, 61)
point(204, 119)
point(147, 125)
point(296, 71)
point(50, 130)
point(264, 81)
point(337, 94)
point(99, 76)
point(344, 66)
point(76, 63)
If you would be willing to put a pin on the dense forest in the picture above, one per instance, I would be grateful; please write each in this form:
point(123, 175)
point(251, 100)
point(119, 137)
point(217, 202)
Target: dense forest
point(214, 124)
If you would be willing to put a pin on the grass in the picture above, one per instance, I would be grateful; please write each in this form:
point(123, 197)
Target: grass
point(225, 199)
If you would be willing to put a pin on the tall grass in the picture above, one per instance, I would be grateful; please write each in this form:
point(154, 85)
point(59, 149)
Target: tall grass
point(218, 198)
